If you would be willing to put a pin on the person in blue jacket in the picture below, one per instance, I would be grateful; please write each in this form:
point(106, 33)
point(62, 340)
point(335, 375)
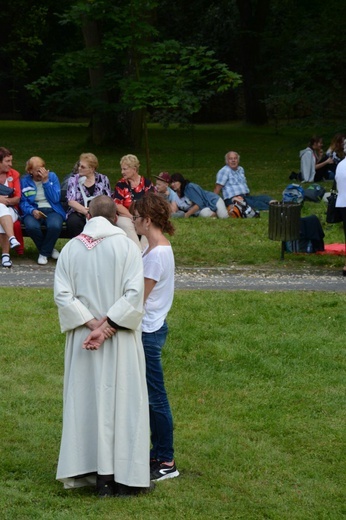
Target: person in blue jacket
point(205, 203)
point(40, 205)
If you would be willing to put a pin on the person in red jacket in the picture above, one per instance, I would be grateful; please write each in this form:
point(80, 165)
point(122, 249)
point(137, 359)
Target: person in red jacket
point(8, 206)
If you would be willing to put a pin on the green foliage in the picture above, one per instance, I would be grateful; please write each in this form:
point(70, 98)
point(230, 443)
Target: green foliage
point(134, 72)
point(24, 45)
point(257, 396)
point(110, 28)
point(32, 37)
point(176, 78)
point(295, 70)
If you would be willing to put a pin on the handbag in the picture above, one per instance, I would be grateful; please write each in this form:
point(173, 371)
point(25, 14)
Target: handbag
point(5, 191)
point(333, 213)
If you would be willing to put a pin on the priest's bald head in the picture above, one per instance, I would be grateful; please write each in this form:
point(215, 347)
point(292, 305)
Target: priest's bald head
point(103, 206)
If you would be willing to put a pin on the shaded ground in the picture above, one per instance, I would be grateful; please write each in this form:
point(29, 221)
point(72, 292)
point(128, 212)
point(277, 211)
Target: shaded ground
point(26, 273)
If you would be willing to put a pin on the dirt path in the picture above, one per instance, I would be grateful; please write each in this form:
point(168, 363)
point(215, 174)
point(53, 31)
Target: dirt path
point(26, 273)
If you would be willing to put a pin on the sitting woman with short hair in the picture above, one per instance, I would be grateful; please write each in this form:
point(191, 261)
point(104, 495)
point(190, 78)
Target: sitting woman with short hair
point(40, 205)
point(81, 188)
point(130, 188)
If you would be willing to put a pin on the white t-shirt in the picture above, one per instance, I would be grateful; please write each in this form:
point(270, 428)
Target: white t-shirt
point(340, 178)
point(40, 198)
point(158, 266)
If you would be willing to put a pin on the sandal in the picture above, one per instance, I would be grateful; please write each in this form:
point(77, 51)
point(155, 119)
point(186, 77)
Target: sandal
point(5, 260)
point(13, 242)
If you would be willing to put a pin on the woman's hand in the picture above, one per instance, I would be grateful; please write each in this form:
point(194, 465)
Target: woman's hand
point(4, 200)
point(122, 211)
point(42, 174)
point(192, 211)
point(37, 214)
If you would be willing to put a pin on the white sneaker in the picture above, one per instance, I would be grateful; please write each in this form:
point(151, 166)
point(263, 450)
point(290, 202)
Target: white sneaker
point(55, 254)
point(42, 260)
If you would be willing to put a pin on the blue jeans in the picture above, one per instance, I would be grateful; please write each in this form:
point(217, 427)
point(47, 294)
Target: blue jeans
point(161, 421)
point(44, 239)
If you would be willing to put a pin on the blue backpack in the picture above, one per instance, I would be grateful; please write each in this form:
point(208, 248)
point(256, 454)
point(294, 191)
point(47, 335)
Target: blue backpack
point(293, 193)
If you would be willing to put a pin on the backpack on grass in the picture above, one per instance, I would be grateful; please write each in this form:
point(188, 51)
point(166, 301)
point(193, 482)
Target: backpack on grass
point(293, 193)
point(241, 209)
point(314, 193)
point(311, 236)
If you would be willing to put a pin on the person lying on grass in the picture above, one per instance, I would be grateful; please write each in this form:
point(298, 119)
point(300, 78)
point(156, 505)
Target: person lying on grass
point(206, 203)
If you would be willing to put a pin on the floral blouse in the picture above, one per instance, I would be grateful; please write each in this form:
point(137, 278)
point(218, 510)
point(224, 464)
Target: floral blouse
point(74, 189)
point(124, 194)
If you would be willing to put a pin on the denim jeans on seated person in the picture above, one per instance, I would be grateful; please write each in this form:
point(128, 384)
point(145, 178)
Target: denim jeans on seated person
point(44, 239)
point(161, 421)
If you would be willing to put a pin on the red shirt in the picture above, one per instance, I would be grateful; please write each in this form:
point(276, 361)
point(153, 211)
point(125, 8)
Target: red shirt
point(12, 177)
point(124, 194)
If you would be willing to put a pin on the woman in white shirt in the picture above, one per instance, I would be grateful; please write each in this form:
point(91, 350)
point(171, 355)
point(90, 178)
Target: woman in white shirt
point(151, 218)
point(340, 179)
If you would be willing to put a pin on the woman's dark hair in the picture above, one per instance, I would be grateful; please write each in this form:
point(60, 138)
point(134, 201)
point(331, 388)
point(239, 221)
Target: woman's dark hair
point(183, 182)
point(4, 152)
point(314, 139)
point(337, 145)
point(157, 209)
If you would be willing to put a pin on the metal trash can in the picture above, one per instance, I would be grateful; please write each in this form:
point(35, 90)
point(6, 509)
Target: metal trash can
point(284, 222)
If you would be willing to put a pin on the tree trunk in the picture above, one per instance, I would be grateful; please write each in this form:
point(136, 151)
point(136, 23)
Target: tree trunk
point(99, 124)
point(253, 17)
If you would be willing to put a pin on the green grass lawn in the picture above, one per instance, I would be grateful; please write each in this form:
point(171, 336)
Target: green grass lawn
point(256, 380)
point(256, 383)
point(198, 153)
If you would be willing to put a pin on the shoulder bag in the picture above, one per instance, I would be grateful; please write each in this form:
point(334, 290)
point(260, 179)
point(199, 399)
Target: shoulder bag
point(6, 191)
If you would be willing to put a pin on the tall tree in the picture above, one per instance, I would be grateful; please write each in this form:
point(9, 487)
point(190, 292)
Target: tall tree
point(113, 35)
point(290, 53)
point(30, 36)
point(132, 72)
point(253, 18)
point(99, 119)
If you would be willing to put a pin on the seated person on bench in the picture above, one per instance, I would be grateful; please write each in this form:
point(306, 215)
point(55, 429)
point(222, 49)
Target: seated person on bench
point(81, 188)
point(9, 178)
point(40, 206)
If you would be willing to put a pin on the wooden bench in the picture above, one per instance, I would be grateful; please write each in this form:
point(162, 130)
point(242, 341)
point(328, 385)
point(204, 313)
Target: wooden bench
point(63, 233)
point(20, 232)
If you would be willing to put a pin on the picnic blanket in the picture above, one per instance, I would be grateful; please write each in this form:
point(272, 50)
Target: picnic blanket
point(333, 249)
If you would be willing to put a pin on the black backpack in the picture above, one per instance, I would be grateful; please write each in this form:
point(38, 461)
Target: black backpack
point(314, 193)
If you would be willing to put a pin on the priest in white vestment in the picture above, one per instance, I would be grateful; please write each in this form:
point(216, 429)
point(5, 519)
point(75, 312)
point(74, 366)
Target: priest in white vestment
point(99, 276)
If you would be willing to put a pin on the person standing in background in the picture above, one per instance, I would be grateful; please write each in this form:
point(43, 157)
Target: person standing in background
point(151, 217)
point(340, 179)
point(98, 289)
